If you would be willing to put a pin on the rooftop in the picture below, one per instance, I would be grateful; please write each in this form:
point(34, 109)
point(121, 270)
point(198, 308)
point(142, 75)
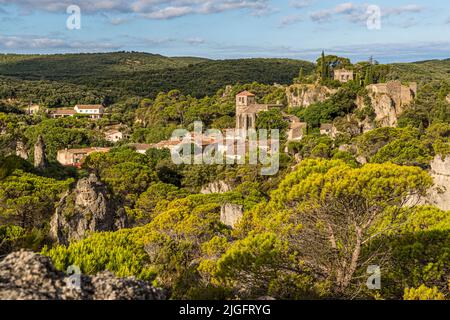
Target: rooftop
point(245, 94)
point(62, 111)
point(88, 106)
point(86, 150)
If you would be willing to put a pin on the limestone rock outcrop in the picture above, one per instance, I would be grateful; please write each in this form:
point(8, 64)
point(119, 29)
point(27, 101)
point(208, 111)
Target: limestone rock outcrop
point(21, 150)
point(216, 187)
point(231, 214)
point(25, 275)
point(85, 209)
point(40, 158)
point(439, 194)
point(389, 100)
point(303, 95)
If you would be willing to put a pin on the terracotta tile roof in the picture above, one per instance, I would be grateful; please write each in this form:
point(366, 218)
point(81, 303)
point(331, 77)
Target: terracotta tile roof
point(86, 150)
point(62, 111)
point(88, 106)
point(245, 94)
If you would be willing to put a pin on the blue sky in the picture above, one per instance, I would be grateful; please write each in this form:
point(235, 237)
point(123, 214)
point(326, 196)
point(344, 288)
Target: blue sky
point(410, 30)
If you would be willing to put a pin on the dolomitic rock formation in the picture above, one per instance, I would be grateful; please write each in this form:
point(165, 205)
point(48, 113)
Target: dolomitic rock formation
point(303, 95)
point(85, 209)
point(216, 187)
point(389, 100)
point(439, 194)
point(231, 214)
point(26, 275)
point(21, 150)
point(40, 158)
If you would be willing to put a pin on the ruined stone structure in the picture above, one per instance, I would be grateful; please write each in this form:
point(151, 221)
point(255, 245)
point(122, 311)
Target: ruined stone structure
point(85, 209)
point(389, 100)
point(343, 75)
point(40, 158)
point(303, 95)
point(75, 157)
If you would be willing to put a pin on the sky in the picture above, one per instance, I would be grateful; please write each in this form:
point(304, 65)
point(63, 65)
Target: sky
point(388, 30)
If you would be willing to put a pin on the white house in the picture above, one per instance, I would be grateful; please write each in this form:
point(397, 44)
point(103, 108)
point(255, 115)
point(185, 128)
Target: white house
point(94, 111)
point(113, 135)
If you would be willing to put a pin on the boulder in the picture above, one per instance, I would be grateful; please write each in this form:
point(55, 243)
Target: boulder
point(86, 208)
point(25, 275)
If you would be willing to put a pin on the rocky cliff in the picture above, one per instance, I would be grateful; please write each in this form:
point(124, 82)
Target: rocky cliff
point(85, 209)
point(26, 275)
point(388, 100)
point(303, 95)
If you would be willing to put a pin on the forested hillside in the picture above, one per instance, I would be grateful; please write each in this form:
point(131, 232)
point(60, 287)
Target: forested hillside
point(92, 77)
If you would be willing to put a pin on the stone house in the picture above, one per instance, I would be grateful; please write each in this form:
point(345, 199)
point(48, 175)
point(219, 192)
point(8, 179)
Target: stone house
point(328, 129)
point(113, 135)
point(61, 113)
point(343, 75)
point(297, 129)
point(247, 110)
point(74, 157)
point(141, 147)
point(32, 109)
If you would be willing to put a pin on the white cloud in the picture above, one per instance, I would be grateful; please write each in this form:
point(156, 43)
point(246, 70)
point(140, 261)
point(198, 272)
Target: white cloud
point(358, 13)
point(300, 4)
point(152, 9)
point(290, 20)
point(31, 42)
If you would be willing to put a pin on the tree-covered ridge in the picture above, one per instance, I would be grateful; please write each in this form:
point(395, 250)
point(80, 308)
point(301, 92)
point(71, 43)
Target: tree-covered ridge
point(93, 78)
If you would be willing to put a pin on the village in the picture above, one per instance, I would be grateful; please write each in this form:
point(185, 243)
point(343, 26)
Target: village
point(389, 100)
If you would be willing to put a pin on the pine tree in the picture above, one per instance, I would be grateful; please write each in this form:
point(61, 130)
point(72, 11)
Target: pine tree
point(300, 75)
point(369, 76)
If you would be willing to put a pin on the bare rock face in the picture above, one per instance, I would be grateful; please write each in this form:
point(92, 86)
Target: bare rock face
point(303, 95)
point(40, 158)
point(389, 100)
point(21, 150)
point(439, 194)
point(216, 187)
point(231, 214)
point(85, 209)
point(25, 275)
